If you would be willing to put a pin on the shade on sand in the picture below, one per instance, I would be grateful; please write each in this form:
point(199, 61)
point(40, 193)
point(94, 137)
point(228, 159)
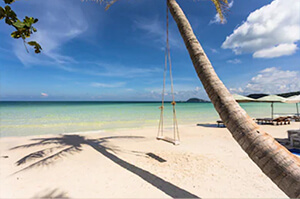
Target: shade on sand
point(272, 99)
point(240, 98)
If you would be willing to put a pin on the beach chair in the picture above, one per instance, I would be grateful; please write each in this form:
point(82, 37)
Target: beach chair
point(293, 132)
point(296, 118)
point(220, 122)
point(295, 140)
point(259, 120)
point(282, 120)
point(264, 120)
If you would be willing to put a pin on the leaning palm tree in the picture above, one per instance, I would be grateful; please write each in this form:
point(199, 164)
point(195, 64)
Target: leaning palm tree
point(282, 167)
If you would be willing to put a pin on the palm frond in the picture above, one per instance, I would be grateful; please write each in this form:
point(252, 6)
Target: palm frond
point(110, 3)
point(221, 7)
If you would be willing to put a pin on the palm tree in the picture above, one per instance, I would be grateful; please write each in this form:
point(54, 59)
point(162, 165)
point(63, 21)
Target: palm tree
point(282, 167)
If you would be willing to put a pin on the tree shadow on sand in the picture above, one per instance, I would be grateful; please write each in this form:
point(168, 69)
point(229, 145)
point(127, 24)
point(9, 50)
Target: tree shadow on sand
point(71, 144)
point(52, 193)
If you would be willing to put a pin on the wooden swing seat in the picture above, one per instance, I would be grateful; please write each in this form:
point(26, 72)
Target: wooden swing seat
point(168, 139)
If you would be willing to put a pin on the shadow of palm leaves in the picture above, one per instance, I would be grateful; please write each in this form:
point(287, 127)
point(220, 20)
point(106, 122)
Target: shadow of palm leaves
point(70, 144)
point(53, 193)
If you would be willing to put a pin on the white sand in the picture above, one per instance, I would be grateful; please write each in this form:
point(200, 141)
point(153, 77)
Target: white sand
point(208, 163)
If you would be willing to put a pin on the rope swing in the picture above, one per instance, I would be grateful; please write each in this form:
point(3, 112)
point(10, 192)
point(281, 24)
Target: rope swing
point(160, 136)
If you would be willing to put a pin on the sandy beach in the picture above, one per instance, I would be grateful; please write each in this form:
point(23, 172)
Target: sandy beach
point(131, 163)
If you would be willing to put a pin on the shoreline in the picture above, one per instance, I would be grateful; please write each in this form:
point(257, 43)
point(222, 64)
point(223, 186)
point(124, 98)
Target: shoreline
point(131, 163)
point(115, 129)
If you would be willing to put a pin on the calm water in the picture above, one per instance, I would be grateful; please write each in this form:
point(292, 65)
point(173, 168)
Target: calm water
point(35, 118)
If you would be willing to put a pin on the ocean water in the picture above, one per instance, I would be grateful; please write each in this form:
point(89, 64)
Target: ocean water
point(37, 118)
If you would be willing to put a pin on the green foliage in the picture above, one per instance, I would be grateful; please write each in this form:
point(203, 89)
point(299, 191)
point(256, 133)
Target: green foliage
point(9, 1)
point(24, 28)
point(36, 46)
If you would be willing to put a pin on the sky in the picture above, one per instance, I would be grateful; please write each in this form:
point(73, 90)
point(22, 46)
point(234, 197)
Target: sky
point(92, 54)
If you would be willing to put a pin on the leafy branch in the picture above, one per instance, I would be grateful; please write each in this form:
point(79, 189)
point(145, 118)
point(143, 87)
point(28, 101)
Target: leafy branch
point(24, 28)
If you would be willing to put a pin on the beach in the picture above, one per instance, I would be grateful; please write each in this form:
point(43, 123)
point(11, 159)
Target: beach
point(131, 163)
point(86, 95)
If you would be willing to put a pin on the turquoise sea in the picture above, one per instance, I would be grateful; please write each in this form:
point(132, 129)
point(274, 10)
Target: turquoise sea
point(36, 118)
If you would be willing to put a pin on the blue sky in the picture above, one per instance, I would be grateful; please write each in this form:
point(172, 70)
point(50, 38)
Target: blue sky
point(93, 54)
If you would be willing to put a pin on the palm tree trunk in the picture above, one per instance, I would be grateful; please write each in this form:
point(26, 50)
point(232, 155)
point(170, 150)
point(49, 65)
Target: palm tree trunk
point(282, 167)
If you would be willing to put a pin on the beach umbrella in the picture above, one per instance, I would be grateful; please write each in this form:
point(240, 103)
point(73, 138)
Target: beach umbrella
point(271, 99)
point(240, 98)
point(294, 99)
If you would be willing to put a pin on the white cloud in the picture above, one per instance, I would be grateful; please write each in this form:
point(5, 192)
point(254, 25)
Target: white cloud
point(272, 81)
point(214, 50)
point(182, 92)
point(270, 31)
point(118, 70)
point(59, 22)
point(106, 85)
point(44, 95)
point(197, 88)
point(236, 90)
point(276, 51)
point(156, 31)
point(217, 19)
point(234, 61)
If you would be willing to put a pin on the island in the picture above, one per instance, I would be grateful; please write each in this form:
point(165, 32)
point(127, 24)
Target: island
point(197, 100)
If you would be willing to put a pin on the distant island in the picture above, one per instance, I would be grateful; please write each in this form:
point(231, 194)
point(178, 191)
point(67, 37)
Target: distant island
point(259, 95)
point(196, 100)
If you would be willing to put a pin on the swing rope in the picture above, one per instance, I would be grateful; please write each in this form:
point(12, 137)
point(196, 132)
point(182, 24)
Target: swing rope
point(160, 135)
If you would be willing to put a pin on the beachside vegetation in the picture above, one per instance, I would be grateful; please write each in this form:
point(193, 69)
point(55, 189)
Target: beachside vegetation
point(23, 29)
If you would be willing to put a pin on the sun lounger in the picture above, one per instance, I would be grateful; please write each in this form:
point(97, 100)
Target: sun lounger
point(282, 120)
point(296, 118)
point(220, 122)
point(264, 120)
point(279, 120)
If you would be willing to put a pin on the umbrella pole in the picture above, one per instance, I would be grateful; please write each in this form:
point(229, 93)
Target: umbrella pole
point(272, 110)
point(297, 109)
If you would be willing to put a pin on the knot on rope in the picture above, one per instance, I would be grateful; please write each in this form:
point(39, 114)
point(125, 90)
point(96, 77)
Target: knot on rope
point(173, 103)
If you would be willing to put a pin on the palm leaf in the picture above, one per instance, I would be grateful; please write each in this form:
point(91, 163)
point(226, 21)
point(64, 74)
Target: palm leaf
point(221, 7)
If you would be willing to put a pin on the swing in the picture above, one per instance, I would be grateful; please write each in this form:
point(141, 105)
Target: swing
point(160, 135)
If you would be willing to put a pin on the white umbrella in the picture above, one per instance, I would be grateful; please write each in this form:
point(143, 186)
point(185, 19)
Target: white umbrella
point(294, 99)
point(272, 99)
point(240, 98)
